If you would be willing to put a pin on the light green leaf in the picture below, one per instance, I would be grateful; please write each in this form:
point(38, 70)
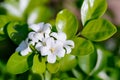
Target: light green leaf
point(53, 68)
point(92, 9)
point(98, 30)
point(67, 23)
point(19, 64)
point(17, 31)
point(87, 63)
point(39, 66)
point(82, 47)
point(3, 21)
point(68, 62)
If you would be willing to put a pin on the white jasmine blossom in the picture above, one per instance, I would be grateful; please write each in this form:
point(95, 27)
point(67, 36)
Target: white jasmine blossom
point(67, 44)
point(41, 28)
point(53, 45)
point(52, 49)
point(24, 48)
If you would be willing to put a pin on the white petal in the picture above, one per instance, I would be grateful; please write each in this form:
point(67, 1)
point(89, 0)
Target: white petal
point(60, 52)
point(32, 36)
point(44, 51)
point(22, 46)
point(51, 58)
point(36, 27)
point(62, 36)
point(50, 42)
point(54, 34)
point(25, 51)
point(39, 36)
point(47, 28)
point(68, 49)
point(69, 43)
point(38, 46)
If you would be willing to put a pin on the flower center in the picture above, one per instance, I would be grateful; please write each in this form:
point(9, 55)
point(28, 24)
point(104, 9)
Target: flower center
point(52, 50)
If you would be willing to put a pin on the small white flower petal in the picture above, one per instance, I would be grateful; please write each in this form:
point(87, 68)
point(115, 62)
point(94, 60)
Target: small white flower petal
point(51, 58)
point(59, 36)
point(39, 36)
point(62, 36)
point(23, 48)
point(68, 49)
point(47, 28)
point(38, 46)
point(60, 52)
point(25, 51)
point(50, 42)
point(37, 27)
point(44, 51)
point(69, 43)
point(54, 34)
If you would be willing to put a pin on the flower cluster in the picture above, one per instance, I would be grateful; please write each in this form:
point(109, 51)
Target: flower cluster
point(46, 42)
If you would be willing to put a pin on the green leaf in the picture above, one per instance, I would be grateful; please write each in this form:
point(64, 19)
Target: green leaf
point(19, 64)
point(17, 31)
point(53, 68)
point(67, 23)
point(92, 9)
point(99, 30)
point(82, 47)
point(87, 63)
point(38, 67)
point(101, 59)
point(3, 21)
point(68, 62)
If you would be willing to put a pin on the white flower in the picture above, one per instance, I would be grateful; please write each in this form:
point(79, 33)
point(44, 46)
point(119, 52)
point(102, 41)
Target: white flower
point(24, 48)
point(67, 44)
point(41, 29)
point(53, 49)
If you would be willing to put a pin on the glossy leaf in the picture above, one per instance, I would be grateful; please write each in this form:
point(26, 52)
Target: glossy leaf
point(101, 60)
point(68, 62)
point(82, 47)
point(3, 21)
point(98, 30)
point(53, 68)
point(92, 9)
point(19, 64)
point(67, 23)
point(39, 66)
point(87, 63)
point(17, 31)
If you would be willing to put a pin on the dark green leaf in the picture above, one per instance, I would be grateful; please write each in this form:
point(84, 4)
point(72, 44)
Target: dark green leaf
point(98, 30)
point(19, 64)
point(87, 63)
point(17, 31)
point(92, 9)
point(82, 47)
point(67, 23)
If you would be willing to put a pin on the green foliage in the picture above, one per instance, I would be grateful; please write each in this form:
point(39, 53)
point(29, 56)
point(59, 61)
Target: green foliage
point(98, 30)
point(67, 22)
point(92, 9)
point(17, 31)
point(38, 66)
point(3, 22)
point(19, 64)
point(87, 47)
